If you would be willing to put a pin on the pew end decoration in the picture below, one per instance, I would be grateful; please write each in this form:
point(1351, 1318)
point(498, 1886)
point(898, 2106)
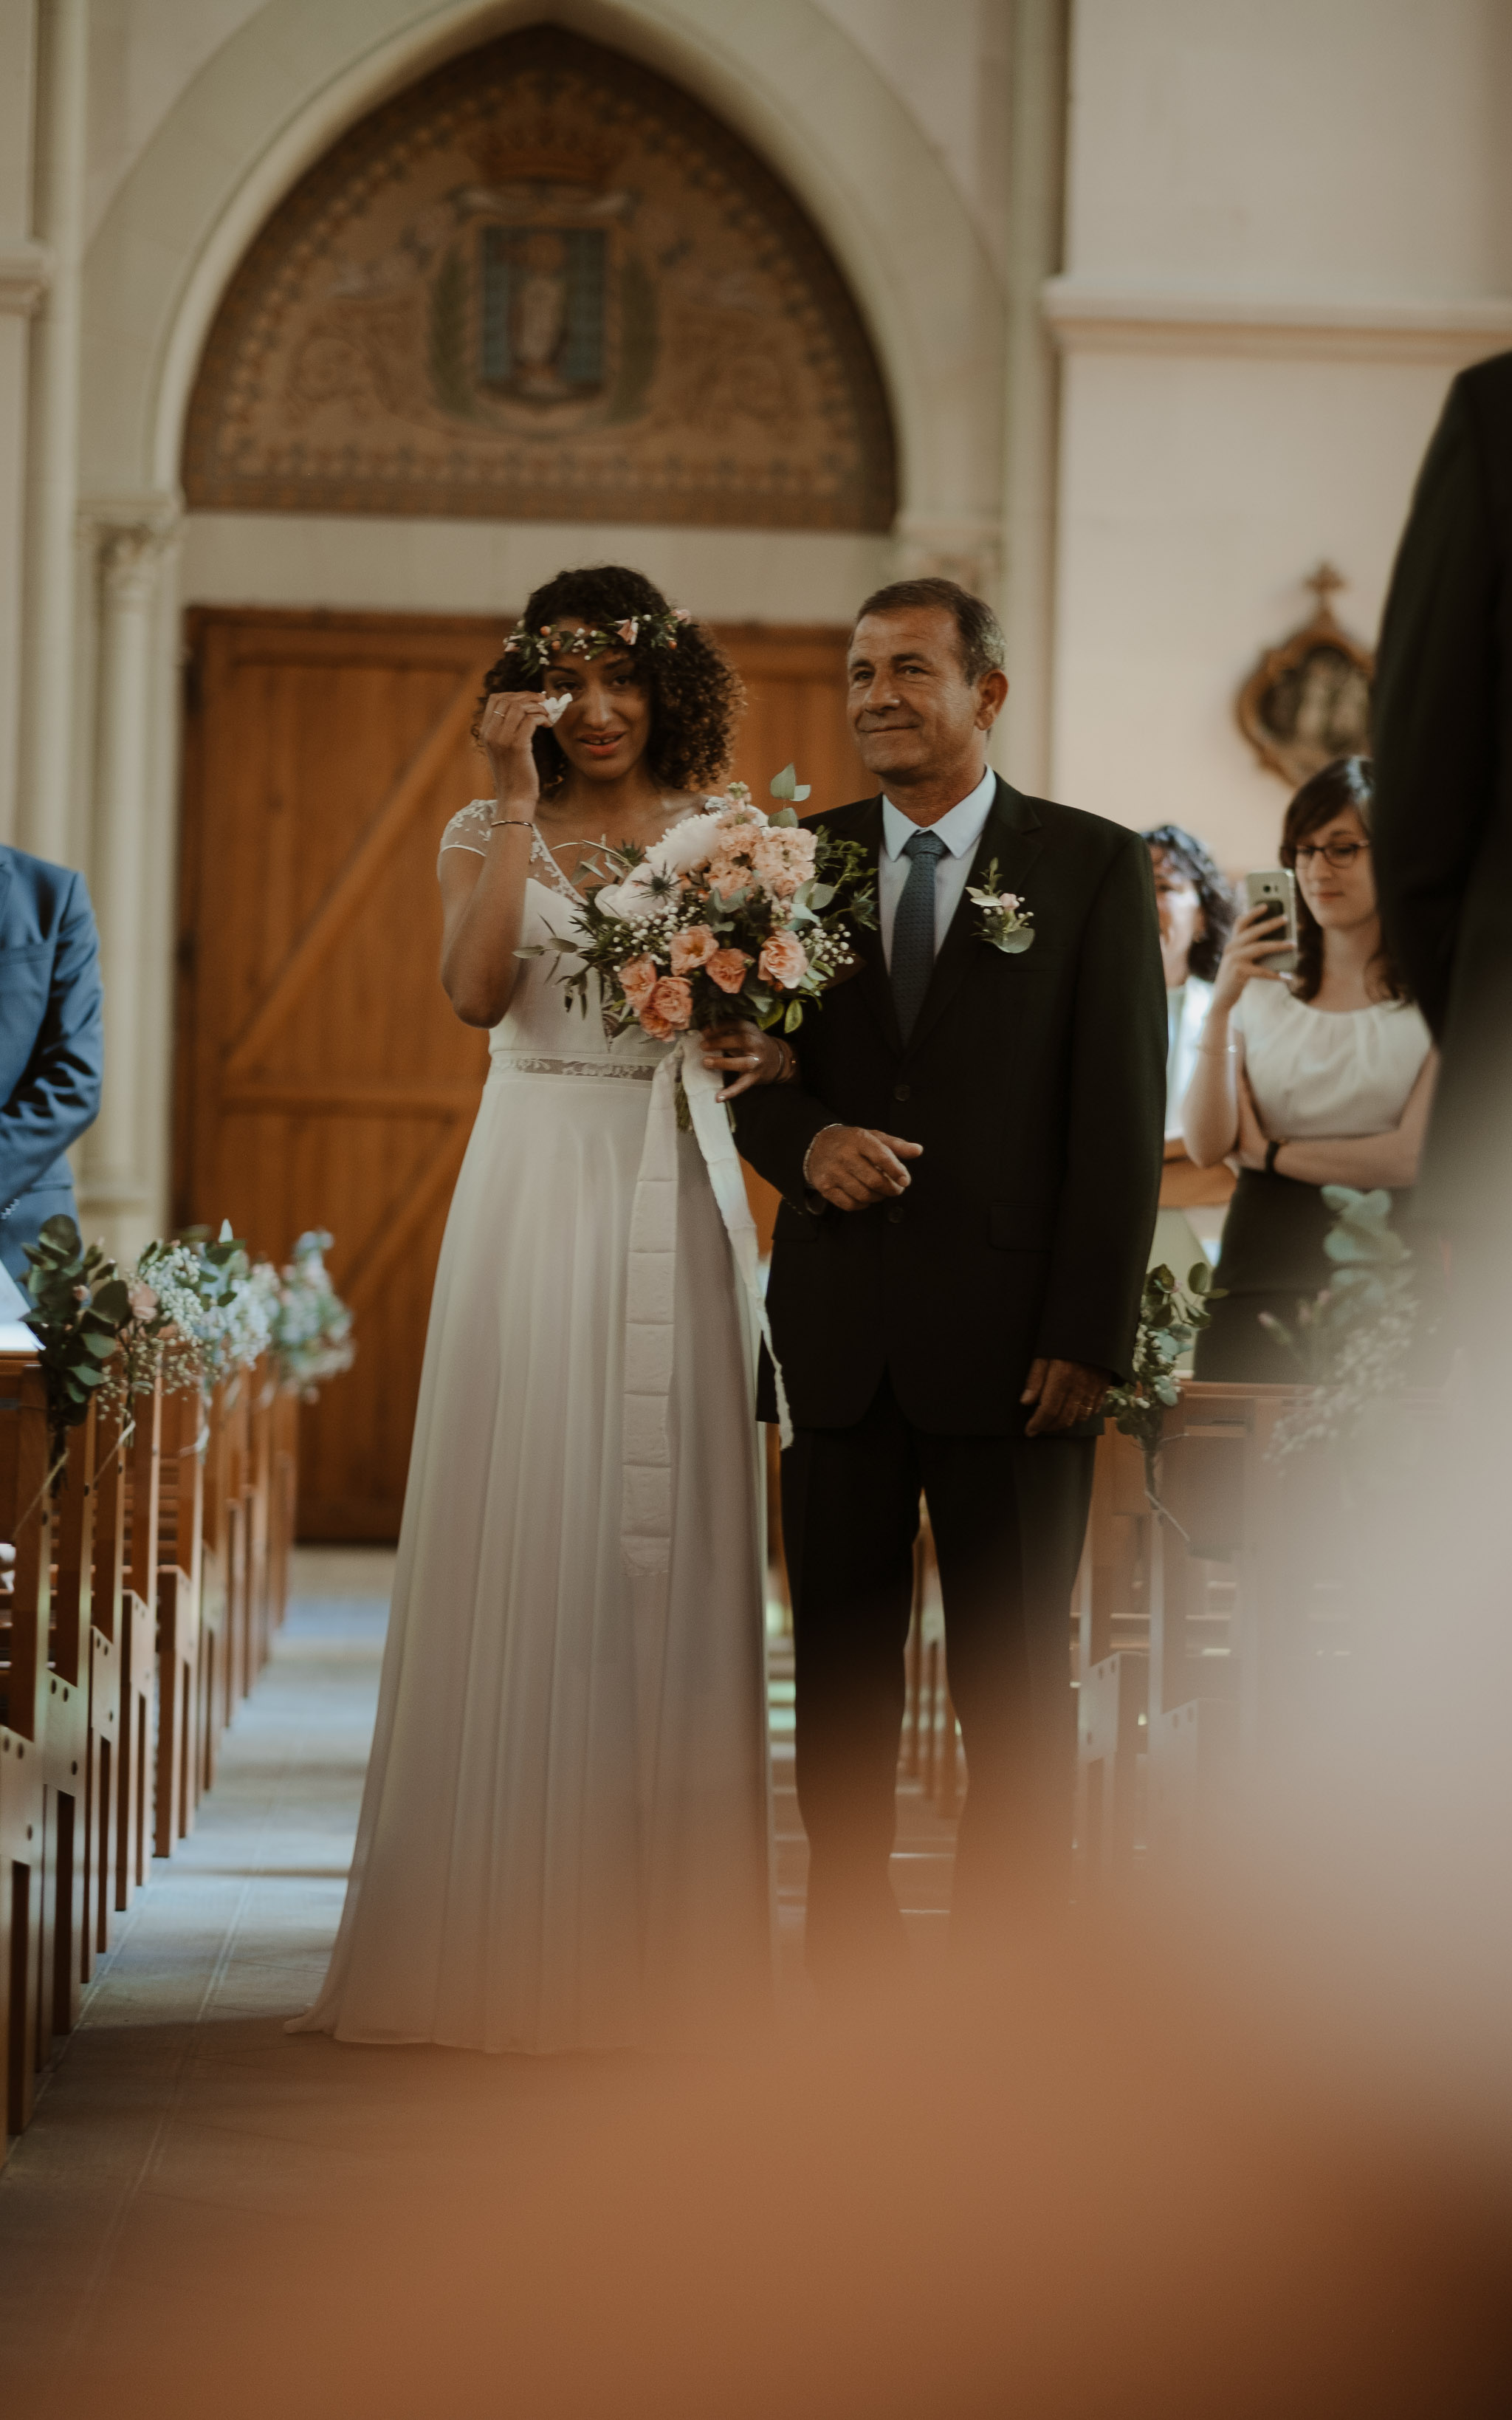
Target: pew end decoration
point(196, 1310)
point(80, 1303)
point(1170, 1316)
point(731, 913)
point(312, 1326)
point(1352, 1342)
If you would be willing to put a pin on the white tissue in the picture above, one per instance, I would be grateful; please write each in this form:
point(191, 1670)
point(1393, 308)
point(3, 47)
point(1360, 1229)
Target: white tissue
point(556, 707)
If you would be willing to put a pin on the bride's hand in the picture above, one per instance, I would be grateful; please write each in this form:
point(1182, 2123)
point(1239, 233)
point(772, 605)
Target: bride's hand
point(510, 721)
point(742, 1051)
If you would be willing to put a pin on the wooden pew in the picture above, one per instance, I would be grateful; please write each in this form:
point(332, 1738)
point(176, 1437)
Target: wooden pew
point(112, 1597)
point(212, 1693)
point(137, 1642)
point(25, 1523)
point(71, 1748)
point(1111, 1613)
point(1246, 1592)
point(107, 1694)
point(283, 1508)
point(181, 1571)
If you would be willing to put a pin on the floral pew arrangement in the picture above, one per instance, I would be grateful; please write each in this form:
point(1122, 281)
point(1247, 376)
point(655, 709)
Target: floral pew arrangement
point(147, 1480)
point(193, 1312)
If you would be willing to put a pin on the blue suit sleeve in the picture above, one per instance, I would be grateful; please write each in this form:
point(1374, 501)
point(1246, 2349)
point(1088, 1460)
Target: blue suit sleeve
point(57, 1099)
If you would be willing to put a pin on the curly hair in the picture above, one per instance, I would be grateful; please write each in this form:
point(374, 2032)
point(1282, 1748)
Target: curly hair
point(1348, 781)
point(694, 689)
point(1187, 854)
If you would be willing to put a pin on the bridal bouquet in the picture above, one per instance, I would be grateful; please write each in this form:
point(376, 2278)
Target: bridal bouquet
point(731, 913)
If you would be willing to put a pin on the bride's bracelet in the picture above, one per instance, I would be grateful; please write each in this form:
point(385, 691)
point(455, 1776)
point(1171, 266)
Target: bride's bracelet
point(1217, 1049)
point(512, 823)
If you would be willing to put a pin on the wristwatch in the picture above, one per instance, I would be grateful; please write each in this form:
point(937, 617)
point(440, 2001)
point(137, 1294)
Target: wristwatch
point(1271, 1150)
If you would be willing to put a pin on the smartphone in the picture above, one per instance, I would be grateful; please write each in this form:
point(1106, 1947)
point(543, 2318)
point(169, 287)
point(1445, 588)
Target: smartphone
point(1275, 890)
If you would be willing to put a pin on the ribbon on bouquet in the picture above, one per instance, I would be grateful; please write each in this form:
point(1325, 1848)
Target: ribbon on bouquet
point(650, 1323)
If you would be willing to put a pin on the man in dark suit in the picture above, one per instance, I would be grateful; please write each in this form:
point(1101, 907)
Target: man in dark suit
point(968, 1152)
point(1443, 836)
point(50, 1042)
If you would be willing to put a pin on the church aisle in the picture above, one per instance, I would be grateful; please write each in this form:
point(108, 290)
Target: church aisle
point(181, 2113)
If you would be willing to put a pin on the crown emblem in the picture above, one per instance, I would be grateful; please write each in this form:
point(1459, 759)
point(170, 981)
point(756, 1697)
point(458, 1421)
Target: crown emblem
point(546, 153)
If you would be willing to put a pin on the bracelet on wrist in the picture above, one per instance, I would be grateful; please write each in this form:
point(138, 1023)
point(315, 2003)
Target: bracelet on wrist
point(1277, 1144)
point(512, 823)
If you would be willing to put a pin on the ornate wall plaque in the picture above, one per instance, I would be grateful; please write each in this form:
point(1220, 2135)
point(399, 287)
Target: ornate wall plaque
point(1309, 700)
point(543, 284)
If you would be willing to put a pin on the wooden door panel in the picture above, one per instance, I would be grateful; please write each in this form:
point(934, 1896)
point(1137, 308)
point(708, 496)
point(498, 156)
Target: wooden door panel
point(795, 683)
point(322, 1078)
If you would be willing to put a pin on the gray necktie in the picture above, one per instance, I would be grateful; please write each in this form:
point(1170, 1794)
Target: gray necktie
point(913, 928)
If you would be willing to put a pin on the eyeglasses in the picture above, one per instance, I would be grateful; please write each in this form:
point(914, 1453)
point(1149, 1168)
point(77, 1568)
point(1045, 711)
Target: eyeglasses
point(1339, 854)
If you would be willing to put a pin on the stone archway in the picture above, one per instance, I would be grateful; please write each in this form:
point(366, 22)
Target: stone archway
point(543, 284)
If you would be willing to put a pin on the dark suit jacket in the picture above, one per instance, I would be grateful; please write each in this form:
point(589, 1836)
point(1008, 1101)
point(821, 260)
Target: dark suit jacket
point(1037, 1087)
point(1442, 731)
point(51, 1042)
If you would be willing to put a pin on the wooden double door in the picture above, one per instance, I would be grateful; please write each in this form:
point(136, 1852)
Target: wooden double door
point(321, 1079)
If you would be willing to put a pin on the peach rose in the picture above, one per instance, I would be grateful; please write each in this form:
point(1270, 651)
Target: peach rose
point(638, 979)
point(785, 858)
point(727, 968)
point(694, 948)
point(783, 960)
point(673, 999)
point(655, 1026)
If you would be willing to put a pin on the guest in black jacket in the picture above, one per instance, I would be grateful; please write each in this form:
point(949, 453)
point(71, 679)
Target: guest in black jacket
point(969, 1159)
point(50, 1042)
point(1442, 722)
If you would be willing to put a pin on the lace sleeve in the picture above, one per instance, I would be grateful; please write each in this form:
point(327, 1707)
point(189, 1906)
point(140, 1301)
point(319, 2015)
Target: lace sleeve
point(468, 829)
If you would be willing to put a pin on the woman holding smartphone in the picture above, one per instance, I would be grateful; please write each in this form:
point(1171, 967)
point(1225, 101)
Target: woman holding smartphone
point(1320, 1076)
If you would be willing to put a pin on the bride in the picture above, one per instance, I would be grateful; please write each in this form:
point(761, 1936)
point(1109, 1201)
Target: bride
point(563, 1840)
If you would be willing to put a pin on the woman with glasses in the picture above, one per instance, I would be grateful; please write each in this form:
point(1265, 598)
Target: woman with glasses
point(1321, 1078)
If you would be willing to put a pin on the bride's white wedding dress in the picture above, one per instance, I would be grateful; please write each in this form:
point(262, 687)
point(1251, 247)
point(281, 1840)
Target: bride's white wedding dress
point(563, 1840)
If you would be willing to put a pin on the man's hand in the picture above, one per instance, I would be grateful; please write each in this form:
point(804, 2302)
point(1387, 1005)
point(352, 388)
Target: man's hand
point(1063, 1392)
point(851, 1166)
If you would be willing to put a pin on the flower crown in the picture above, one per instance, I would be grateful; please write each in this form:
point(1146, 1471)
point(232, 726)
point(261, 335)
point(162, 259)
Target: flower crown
point(535, 648)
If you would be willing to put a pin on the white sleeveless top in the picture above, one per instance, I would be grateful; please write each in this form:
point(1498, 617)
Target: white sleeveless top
point(1317, 1073)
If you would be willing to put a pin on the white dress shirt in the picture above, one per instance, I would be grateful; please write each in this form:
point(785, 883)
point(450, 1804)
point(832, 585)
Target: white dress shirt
point(960, 829)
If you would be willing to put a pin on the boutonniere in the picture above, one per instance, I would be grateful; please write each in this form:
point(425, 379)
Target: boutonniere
point(1004, 921)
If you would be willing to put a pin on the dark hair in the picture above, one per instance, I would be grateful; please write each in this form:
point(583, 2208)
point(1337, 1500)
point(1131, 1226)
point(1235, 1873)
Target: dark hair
point(1187, 854)
point(694, 689)
point(1348, 781)
point(979, 633)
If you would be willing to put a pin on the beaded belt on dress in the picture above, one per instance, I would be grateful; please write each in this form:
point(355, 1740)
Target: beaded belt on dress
point(518, 1064)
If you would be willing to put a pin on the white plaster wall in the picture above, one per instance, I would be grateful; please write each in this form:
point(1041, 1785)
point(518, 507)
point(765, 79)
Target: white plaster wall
point(1236, 167)
point(366, 563)
point(1322, 146)
point(142, 54)
point(1198, 496)
point(948, 66)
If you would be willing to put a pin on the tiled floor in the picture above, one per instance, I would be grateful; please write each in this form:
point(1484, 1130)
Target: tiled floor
point(180, 2103)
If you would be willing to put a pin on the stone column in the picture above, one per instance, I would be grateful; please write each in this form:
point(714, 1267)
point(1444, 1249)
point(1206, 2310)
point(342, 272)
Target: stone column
point(48, 705)
point(25, 267)
point(23, 274)
point(1037, 139)
point(121, 1183)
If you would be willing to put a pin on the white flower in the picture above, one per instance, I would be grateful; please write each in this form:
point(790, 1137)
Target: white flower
point(686, 845)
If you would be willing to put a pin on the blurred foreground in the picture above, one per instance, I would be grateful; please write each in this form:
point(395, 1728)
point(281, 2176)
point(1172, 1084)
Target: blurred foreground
point(1246, 2154)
